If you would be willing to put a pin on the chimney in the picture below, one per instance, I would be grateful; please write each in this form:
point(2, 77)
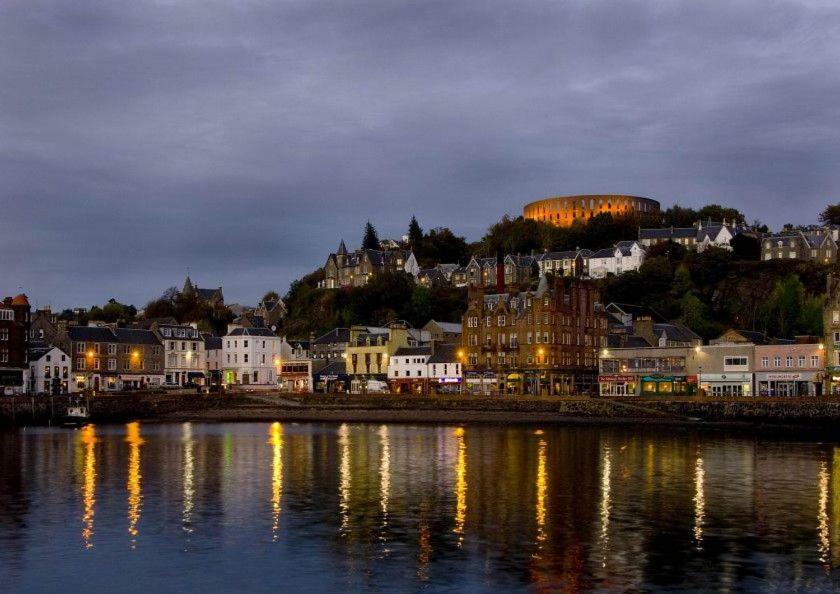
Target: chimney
point(500, 272)
point(643, 326)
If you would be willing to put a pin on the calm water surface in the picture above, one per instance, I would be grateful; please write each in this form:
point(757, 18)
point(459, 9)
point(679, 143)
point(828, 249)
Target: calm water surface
point(321, 507)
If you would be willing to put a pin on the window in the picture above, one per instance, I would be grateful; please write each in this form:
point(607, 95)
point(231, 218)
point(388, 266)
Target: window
point(501, 321)
point(80, 347)
point(80, 363)
point(735, 361)
point(112, 349)
point(835, 316)
point(765, 361)
point(789, 361)
point(815, 361)
point(245, 343)
point(777, 361)
point(801, 360)
point(4, 334)
point(112, 364)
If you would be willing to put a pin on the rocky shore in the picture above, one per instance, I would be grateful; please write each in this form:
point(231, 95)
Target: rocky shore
point(811, 416)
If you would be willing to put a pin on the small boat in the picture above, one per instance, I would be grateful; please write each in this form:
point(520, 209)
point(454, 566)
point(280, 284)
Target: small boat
point(77, 415)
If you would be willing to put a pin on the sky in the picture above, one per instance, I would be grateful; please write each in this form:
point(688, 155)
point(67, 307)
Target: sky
point(242, 140)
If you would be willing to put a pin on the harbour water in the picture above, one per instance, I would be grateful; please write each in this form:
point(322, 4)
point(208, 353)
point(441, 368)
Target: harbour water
point(281, 507)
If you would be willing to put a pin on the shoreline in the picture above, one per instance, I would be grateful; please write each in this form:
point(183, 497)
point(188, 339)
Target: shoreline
point(817, 418)
point(487, 417)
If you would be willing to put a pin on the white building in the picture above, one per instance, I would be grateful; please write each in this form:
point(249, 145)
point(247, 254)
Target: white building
point(250, 357)
point(624, 257)
point(407, 369)
point(184, 354)
point(425, 369)
point(49, 371)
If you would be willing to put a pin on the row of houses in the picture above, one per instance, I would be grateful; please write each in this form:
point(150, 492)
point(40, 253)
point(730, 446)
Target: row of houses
point(354, 269)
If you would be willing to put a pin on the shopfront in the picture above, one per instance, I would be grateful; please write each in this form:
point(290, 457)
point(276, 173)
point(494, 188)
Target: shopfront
point(726, 385)
point(667, 385)
point(789, 384)
point(617, 385)
point(478, 382)
point(446, 385)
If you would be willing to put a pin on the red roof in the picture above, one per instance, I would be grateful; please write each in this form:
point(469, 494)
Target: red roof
point(20, 300)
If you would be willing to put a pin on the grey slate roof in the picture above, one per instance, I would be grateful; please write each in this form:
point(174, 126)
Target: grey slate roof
point(451, 327)
point(675, 332)
point(334, 336)
point(213, 343)
point(251, 332)
point(412, 351)
point(136, 336)
point(90, 334)
point(445, 353)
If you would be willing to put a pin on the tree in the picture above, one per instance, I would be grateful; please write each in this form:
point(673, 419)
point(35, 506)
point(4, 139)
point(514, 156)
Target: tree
point(421, 305)
point(415, 236)
point(745, 247)
point(371, 239)
point(441, 245)
point(718, 213)
point(831, 215)
point(271, 296)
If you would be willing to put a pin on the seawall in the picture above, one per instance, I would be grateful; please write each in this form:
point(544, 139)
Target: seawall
point(803, 415)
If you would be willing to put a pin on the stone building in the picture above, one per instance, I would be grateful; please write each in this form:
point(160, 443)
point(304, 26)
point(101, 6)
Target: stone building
point(697, 238)
point(109, 358)
point(813, 246)
point(14, 344)
point(345, 269)
point(831, 330)
point(540, 342)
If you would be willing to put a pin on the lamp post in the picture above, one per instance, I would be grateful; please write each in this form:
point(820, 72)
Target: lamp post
point(89, 367)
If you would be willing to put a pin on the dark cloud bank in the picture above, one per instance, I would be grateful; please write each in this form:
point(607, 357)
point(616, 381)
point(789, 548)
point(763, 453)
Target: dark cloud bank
point(242, 139)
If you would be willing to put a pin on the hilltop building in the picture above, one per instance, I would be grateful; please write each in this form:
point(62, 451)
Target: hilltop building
point(562, 211)
point(346, 269)
point(697, 238)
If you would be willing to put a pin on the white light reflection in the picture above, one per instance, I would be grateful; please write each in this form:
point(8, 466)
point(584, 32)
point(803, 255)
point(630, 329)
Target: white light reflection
point(384, 474)
point(189, 477)
point(344, 477)
point(605, 505)
point(699, 503)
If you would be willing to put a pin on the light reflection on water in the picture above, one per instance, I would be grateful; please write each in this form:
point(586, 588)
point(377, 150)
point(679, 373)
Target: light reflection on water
point(361, 507)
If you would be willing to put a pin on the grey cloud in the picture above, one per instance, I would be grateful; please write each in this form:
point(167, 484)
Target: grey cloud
point(243, 139)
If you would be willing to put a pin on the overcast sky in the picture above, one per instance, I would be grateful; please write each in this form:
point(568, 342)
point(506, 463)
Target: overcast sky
point(244, 139)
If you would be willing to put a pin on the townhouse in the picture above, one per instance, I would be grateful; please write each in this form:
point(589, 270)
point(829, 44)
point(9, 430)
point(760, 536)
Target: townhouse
point(185, 361)
point(14, 343)
point(49, 372)
point(250, 357)
point(540, 342)
point(370, 350)
point(104, 357)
